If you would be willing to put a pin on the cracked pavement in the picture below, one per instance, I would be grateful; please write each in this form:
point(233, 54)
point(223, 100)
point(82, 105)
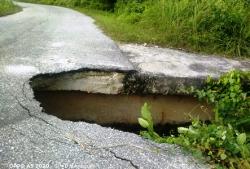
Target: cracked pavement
point(48, 40)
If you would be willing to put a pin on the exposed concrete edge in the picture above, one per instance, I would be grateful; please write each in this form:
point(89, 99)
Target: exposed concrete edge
point(55, 74)
point(131, 82)
point(106, 81)
point(141, 83)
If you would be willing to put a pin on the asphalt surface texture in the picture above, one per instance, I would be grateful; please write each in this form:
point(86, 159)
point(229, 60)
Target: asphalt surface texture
point(50, 40)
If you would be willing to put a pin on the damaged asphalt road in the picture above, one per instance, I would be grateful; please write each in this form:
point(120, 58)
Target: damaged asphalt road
point(48, 40)
point(54, 43)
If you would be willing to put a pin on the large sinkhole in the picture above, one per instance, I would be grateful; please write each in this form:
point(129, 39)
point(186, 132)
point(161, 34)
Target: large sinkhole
point(100, 97)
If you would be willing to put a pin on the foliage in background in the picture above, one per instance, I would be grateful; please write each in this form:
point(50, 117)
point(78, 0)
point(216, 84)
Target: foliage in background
point(208, 26)
point(93, 4)
point(221, 26)
point(230, 97)
point(226, 140)
point(7, 7)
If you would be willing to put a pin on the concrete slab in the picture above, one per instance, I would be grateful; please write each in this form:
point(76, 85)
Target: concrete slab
point(169, 71)
point(57, 39)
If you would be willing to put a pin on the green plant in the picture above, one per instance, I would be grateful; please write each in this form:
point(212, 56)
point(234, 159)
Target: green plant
point(230, 97)
point(8, 7)
point(220, 26)
point(146, 121)
point(207, 26)
point(220, 142)
point(94, 4)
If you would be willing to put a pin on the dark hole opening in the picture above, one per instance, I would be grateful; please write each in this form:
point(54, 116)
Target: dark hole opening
point(122, 111)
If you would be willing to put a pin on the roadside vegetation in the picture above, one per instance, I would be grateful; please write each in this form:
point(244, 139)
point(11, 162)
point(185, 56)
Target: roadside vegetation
point(206, 26)
point(8, 7)
point(225, 141)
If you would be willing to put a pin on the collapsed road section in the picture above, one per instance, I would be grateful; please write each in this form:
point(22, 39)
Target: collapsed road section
point(110, 98)
point(56, 53)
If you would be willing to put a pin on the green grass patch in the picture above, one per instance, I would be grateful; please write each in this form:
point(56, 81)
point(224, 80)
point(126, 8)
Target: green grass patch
point(205, 26)
point(212, 26)
point(122, 31)
point(7, 7)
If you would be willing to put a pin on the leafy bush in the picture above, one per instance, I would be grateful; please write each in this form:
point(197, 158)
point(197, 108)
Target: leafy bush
point(220, 26)
point(130, 11)
point(225, 141)
point(230, 96)
point(222, 144)
point(7, 7)
point(94, 4)
point(210, 26)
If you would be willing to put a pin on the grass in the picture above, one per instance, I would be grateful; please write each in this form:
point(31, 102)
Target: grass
point(7, 7)
point(212, 26)
point(122, 31)
point(205, 26)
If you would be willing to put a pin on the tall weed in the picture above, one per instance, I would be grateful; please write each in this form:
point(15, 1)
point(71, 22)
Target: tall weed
point(213, 26)
point(7, 7)
point(208, 26)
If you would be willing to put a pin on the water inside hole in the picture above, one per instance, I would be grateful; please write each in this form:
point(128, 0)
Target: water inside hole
point(122, 111)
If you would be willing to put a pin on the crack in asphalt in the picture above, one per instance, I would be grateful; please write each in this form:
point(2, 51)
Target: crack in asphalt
point(92, 147)
point(81, 145)
point(28, 110)
point(74, 139)
point(23, 90)
point(32, 115)
point(51, 139)
point(124, 159)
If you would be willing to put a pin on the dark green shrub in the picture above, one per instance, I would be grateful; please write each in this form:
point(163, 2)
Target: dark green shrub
point(226, 140)
point(221, 26)
point(210, 26)
point(130, 11)
point(230, 96)
point(223, 144)
point(94, 4)
point(7, 7)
